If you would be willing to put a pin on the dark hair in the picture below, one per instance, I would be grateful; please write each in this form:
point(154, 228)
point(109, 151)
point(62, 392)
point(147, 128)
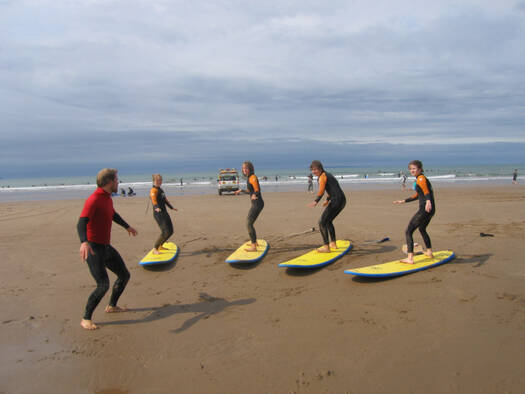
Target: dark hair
point(249, 166)
point(317, 164)
point(416, 163)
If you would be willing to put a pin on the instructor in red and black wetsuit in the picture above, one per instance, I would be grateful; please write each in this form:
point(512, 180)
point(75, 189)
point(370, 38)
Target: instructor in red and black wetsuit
point(94, 230)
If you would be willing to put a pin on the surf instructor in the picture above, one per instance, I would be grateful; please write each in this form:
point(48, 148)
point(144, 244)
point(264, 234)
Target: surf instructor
point(335, 202)
point(94, 231)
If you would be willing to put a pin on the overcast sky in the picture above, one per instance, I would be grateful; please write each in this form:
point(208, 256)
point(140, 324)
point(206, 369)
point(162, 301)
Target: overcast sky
point(93, 83)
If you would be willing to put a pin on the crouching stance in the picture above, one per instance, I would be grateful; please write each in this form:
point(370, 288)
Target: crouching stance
point(426, 211)
point(335, 202)
point(160, 213)
point(94, 230)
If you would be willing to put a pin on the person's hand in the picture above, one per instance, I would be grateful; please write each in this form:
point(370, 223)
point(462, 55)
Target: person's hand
point(399, 202)
point(85, 250)
point(428, 206)
point(237, 192)
point(157, 209)
point(132, 231)
point(254, 197)
point(173, 208)
point(312, 204)
point(326, 203)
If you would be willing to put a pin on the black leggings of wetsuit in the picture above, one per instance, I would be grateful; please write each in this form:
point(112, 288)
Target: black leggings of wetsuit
point(253, 213)
point(166, 227)
point(106, 256)
point(420, 220)
point(326, 226)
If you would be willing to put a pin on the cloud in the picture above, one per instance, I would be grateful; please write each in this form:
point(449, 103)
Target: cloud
point(340, 71)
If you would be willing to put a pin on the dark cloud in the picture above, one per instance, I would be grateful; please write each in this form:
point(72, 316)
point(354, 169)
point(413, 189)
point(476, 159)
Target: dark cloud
point(87, 81)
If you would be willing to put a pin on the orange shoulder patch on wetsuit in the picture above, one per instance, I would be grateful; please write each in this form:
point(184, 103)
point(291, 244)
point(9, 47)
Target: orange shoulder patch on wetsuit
point(255, 183)
point(322, 185)
point(153, 195)
point(422, 183)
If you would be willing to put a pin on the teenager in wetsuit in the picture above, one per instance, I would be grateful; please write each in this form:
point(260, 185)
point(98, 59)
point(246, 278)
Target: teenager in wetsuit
point(427, 208)
point(335, 202)
point(254, 189)
point(160, 213)
point(94, 230)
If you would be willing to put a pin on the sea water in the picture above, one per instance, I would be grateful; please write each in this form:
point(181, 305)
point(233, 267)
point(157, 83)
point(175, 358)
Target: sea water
point(55, 188)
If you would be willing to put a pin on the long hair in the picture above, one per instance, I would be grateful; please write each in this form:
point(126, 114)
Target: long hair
point(249, 166)
point(154, 177)
point(417, 163)
point(317, 164)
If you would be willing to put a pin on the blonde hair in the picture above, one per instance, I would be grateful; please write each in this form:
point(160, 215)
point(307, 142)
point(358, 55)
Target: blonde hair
point(155, 177)
point(105, 176)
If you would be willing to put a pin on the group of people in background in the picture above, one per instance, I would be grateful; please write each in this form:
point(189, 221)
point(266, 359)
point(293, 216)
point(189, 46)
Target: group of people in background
point(94, 224)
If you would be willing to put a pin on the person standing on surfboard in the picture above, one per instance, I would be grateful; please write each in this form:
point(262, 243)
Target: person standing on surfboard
point(335, 202)
point(427, 209)
point(160, 213)
point(94, 230)
point(254, 190)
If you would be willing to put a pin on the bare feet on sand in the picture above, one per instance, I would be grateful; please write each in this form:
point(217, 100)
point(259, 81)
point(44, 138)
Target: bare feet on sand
point(115, 309)
point(88, 325)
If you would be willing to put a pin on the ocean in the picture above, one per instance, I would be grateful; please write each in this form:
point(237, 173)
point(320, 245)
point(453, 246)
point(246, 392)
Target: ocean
point(57, 188)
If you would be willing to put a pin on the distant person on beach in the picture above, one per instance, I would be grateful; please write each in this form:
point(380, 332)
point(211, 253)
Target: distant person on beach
point(427, 209)
point(310, 183)
point(94, 230)
point(131, 192)
point(122, 192)
point(181, 181)
point(257, 203)
point(515, 176)
point(404, 181)
point(160, 213)
point(335, 202)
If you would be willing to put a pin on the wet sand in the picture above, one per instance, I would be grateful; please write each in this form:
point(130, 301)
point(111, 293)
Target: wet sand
point(203, 326)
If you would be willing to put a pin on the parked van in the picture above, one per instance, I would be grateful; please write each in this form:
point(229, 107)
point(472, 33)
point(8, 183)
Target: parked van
point(228, 180)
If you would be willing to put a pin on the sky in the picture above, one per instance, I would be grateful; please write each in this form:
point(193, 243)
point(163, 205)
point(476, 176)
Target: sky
point(177, 84)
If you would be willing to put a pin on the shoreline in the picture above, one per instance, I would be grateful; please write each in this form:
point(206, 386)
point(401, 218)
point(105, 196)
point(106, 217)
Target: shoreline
point(56, 193)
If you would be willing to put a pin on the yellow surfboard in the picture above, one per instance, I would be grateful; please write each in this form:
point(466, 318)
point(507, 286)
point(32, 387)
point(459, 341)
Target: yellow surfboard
point(395, 268)
point(315, 259)
point(164, 257)
point(242, 256)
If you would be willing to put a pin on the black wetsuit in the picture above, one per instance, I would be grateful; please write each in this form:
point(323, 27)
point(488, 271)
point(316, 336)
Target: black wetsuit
point(256, 207)
point(94, 226)
point(337, 202)
point(421, 219)
point(159, 200)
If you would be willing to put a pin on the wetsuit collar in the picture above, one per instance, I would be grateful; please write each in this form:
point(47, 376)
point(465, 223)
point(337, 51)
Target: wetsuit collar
point(101, 191)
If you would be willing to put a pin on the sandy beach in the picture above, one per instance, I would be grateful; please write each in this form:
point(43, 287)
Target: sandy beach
point(203, 326)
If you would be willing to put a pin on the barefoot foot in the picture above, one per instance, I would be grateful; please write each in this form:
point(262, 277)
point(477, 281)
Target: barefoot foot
point(115, 309)
point(88, 325)
point(251, 248)
point(155, 251)
point(324, 249)
point(407, 261)
point(333, 245)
